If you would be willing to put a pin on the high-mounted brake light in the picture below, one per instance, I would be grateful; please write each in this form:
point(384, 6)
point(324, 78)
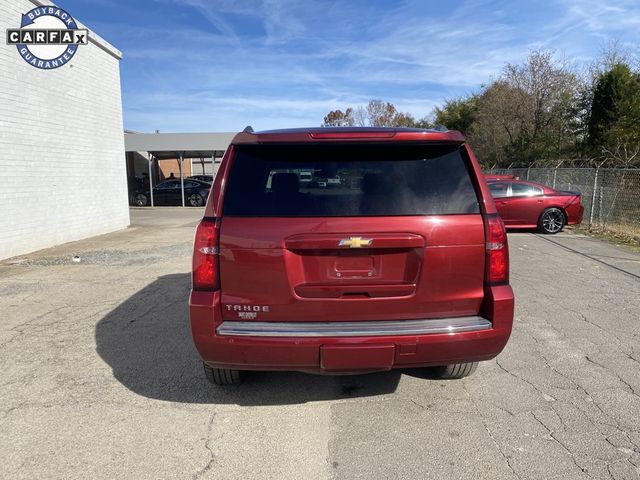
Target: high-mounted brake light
point(206, 252)
point(497, 251)
point(355, 135)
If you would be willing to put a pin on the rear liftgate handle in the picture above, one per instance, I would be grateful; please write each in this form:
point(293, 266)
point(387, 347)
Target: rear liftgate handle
point(368, 244)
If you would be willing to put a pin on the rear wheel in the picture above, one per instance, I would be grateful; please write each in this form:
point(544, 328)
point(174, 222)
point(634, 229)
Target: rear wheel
point(140, 200)
point(552, 220)
point(222, 376)
point(455, 370)
point(196, 200)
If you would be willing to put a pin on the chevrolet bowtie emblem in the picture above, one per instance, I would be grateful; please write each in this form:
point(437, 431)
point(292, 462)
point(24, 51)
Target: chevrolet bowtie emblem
point(355, 242)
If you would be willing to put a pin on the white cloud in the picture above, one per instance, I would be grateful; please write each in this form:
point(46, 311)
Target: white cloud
point(301, 59)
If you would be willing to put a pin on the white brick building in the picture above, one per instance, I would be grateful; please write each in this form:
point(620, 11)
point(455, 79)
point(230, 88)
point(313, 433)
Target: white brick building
point(61, 144)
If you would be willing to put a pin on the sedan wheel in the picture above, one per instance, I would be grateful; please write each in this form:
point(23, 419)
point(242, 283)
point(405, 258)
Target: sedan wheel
point(196, 200)
point(140, 200)
point(552, 220)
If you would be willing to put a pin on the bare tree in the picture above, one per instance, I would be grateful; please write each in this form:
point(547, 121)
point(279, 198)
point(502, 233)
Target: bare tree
point(338, 118)
point(622, 153)
point(495, 125)
point(529, 113)
point(360, 117)
point(376, 114)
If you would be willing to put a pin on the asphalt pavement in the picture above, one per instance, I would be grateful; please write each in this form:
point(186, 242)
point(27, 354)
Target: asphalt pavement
point(99, 377)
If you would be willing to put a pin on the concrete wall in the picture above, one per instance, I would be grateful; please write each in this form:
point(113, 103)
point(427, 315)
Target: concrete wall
point(62, 163)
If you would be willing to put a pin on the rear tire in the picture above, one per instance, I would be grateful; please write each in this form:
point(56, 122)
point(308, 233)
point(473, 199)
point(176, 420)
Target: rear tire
point(140, 200)
point(552, 221)
point(222, 376)
point(196, 200)
point(455, 370)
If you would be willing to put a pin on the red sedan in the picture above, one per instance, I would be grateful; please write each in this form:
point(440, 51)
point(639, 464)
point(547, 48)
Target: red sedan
point(489, 178)
point(524, 204)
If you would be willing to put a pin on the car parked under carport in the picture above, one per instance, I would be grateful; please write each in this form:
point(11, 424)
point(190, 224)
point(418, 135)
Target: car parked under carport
point(168, 193)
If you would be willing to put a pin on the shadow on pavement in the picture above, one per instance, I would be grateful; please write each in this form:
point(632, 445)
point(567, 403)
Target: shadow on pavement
point(147, 343)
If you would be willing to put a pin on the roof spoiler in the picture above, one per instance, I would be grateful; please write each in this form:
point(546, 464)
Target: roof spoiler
point(329, 134)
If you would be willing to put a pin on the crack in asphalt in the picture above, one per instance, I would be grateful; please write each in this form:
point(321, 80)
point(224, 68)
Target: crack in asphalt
point(479, 412)
point(576, 384)
point(212, 459)
point(418, 404)
point(592, 400)
point(608, 333)
point(153, 308)
point(577, 252)
point(565, 448)
point(518, 377)
point(623, 381)
point(631, 357)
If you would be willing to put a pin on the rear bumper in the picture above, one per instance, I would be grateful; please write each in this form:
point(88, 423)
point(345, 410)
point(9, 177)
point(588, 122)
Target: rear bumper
point(574, 214)
point(353, 329)
point(350, 346)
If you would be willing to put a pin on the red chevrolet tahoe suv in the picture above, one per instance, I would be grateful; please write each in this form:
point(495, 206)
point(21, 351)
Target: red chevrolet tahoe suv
point(403, 263)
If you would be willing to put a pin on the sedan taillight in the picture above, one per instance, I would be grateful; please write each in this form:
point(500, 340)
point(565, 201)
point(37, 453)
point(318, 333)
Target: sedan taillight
point(497, 251)
point(206, 251)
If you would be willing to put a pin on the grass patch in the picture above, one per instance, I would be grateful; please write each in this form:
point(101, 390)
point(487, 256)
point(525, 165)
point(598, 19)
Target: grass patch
point(628, 236)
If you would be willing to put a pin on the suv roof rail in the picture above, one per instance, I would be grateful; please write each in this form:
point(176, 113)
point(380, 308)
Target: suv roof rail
point(440, 128)
point(248, 129)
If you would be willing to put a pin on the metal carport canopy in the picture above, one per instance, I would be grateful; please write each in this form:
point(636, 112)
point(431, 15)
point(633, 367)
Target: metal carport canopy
point(181, 143)
point(177, 145)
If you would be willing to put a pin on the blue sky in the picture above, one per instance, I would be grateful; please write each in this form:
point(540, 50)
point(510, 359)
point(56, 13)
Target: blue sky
point(218, 65)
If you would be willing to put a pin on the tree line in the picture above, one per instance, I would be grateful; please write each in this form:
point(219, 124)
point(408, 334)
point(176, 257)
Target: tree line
point(537, 113)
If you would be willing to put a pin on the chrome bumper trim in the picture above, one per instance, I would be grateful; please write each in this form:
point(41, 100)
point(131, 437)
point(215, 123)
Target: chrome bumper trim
point(353, 329)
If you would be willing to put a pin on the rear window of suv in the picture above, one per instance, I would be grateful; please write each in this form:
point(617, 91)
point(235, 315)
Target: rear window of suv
point(349, 180)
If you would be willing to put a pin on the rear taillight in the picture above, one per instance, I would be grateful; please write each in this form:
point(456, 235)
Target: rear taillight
point(206, 275)
point(497, 267)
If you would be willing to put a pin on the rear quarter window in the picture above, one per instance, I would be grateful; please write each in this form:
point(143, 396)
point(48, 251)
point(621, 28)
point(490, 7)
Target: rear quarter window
point(499, 189)
point(524, 190)
point(349, 180)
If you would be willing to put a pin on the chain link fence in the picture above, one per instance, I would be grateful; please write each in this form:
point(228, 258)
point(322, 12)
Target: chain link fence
point(611, 196)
